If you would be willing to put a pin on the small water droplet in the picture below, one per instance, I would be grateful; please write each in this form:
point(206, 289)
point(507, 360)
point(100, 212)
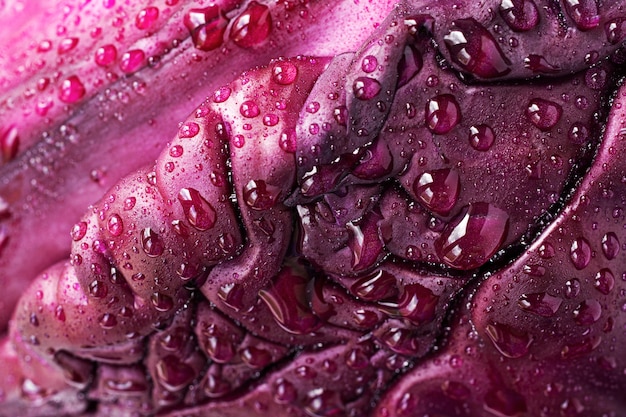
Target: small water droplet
point(249, 109)
point(78, 231)
point(115, 226)
point(610, 245)
point(162, 302)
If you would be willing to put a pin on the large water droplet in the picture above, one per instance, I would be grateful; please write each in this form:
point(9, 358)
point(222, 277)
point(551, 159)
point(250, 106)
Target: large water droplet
point(249, 109)
point(78, 231)
point(520, 15)
point(284, 391)
point(132, 60)
point(615, 30)
point(540, 303)
point(258, 195)
point(375, 286)
point(106, 55)
point(151, 243)
point(284, 73)
point(544, 114)
point(610, 245)
point(481, 137)
point(510, 342)
point(366, 88)
point(162, 302)
point(146, 18)
point(416, 303)
point(287, 300)
point(174, 374)
point(71, 90)
point(442, 114)
point(584, 13)
point(587, 312)
point(473, 236)
point(438, 190)
point(580, 253)
point(207, 27)
point(475, 50)
point(115, 226)
point(252, 26)
point(188, 130)
point(604, 281)
point(199, 212)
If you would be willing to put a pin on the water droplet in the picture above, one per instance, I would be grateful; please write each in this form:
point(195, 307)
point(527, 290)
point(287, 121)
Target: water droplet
point(78, 231)
point(615, 30)
point(481, 137)
point(174, 374)
point(587, 312)
point(71, 90)
point(107, 321)
point(9, 143)
point(604, 281)
point(400, 341)
point(369, 64)
point(255, 357)
point(375, 286)
point(442, 114)
point(438, 190)
point(284, 73)
point(115, 226)
point(151, 243)
point(474, 49)
point(288, 302)
point(188, 130)
point(146, 18)
point(473, 236)
point(98, 289)
point(510, 342)
point(520, 15)
point(249, 109)
point(596, 78)
point(270, 119)
point(544, 114)
point(578, 133)
point(416, 303)
point(572, 288)
point(67, 45)
point(610, 245)
point(199, 212)
point(580, 253)
point(252, 26)
point(59, 313)
point(340, 114)
point(176, 151)
point(284, 391)
point(324, 403)
point(365, 88)
point(207, 27)
point(221, 94)
point(584, 13)
point(288, 141)
point(162, 302)
point(258, 195)
point(129, 203)
point(540, 303)
point(132, 60)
